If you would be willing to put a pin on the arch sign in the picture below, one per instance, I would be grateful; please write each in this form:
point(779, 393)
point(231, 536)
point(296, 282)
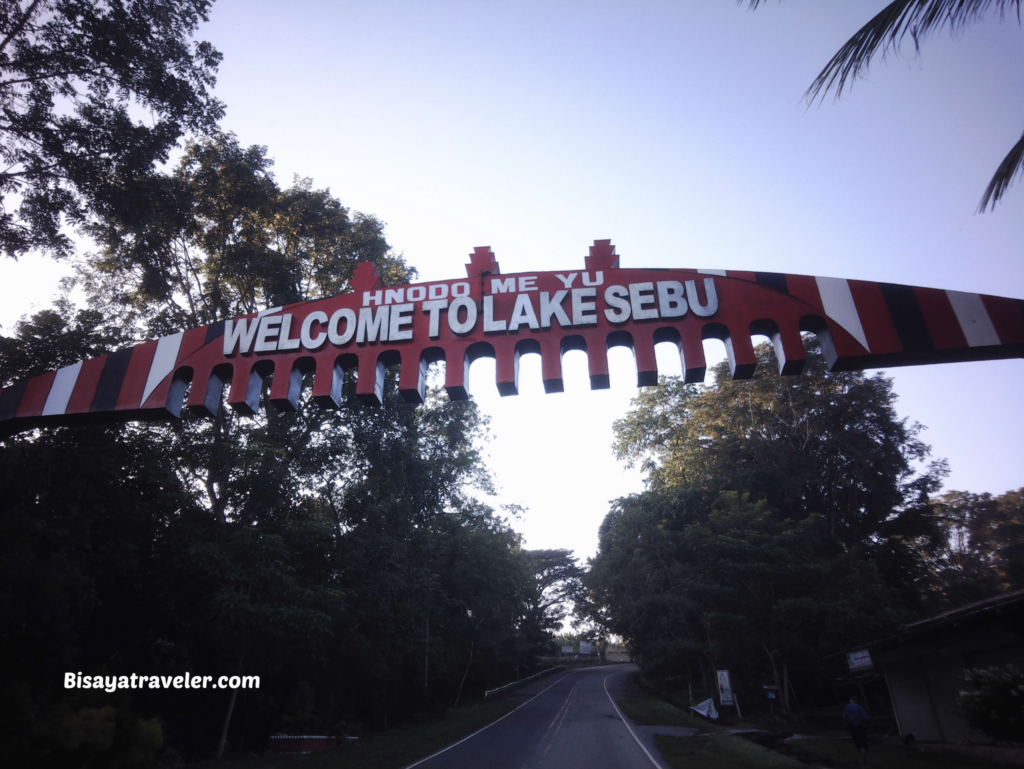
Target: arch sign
point(860, 324)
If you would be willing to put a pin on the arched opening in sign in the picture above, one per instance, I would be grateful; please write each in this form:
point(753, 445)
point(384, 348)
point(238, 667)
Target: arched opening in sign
point(527, 369)
point(178, 394)
point(669, 356)
point(714, 353)
point(474, 352)
point(208, 402)
point(247, 400)
point(616, 345)
point(329, 380)
point(415, 376)
point(621, 367)
point(816, 325)
point(575, 364)
point(289, 381)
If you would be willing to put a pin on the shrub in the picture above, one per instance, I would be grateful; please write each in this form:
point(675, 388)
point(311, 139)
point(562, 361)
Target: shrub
point(996, 706)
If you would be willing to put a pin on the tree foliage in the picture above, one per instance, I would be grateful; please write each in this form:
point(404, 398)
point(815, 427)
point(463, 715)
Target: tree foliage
point(76, 77)
point(557, 582)
point(995, 704)
point(343, 556)
point(984, 545)
point(785, 519)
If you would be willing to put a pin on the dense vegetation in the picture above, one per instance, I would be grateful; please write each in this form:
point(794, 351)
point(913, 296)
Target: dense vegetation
point(77, 76)
point(343, 556)
point(785, 520)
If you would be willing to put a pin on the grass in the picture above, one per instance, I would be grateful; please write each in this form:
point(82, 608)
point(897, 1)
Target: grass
point(887, 756)
point(390, 749)
point(652, 712)
point(717, 751)
point(720, 751)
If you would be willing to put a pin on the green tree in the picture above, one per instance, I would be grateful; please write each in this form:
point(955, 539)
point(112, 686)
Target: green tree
point(556, 583)
point(783, 520)
point(996, 703)
point(343, 556)
point(734, 586)
point(888, 30)
point(984, 549)
point(825, 444)
point(71, 74)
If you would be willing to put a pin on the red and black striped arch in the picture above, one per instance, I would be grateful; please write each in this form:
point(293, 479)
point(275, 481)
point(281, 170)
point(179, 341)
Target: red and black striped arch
point(861, 324)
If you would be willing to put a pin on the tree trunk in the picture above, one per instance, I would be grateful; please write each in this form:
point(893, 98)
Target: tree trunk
point(227, 722)
point(785, 687)
point(778, 681)
point(465, 673)
point(231, 709)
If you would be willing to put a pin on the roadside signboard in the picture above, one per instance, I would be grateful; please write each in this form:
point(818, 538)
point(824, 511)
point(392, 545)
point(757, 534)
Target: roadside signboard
point(859, 660)
point(724, 688)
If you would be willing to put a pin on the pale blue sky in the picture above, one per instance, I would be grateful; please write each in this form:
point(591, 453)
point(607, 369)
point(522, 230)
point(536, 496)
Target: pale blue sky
point(675, 129)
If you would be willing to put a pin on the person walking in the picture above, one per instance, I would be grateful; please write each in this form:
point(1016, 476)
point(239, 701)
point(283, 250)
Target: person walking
point(857, 720)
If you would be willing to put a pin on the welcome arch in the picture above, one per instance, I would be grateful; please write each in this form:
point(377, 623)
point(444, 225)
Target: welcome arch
point(860, 324)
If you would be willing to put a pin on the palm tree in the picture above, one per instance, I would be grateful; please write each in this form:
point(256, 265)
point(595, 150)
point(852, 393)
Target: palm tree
point(916, 19)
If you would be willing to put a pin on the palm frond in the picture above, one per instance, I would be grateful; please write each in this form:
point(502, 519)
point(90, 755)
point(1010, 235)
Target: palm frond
point(886, 31)
point(1012, 165)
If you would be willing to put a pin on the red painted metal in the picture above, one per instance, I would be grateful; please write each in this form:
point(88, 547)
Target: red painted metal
point(861, 324)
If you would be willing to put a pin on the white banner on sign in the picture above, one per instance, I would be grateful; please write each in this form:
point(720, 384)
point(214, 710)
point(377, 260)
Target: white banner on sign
point(724, 687)
point(584, 647)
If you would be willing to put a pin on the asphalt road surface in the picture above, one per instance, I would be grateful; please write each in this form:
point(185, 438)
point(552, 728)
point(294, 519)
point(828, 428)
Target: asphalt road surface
point(566, 721)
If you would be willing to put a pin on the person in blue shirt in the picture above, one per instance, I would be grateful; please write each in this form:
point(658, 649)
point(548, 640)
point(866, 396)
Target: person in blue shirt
point(857, 720)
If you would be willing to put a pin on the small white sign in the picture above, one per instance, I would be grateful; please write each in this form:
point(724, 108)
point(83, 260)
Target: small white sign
point(584, 647)
point(724, 687)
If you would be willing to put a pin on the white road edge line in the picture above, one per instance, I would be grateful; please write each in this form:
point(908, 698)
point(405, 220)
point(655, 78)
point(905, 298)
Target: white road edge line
point(642, 747)
point(474, 734)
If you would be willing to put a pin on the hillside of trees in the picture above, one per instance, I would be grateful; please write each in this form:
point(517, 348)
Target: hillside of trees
point(786, 520)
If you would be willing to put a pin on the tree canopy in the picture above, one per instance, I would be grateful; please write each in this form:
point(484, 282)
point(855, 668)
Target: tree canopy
point(786, 518)
point(93, 94)
point(343, 556)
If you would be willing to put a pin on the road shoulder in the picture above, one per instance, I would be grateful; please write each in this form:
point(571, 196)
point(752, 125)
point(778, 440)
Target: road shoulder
point(683, 741)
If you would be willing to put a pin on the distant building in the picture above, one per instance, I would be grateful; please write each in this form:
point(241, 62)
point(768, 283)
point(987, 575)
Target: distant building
point(924, 664)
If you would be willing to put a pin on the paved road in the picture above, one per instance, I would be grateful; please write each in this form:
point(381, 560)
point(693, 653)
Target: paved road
point(567, 721)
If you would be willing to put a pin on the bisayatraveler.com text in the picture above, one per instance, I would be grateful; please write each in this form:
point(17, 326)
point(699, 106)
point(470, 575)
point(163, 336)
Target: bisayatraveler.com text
point(135, 681)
